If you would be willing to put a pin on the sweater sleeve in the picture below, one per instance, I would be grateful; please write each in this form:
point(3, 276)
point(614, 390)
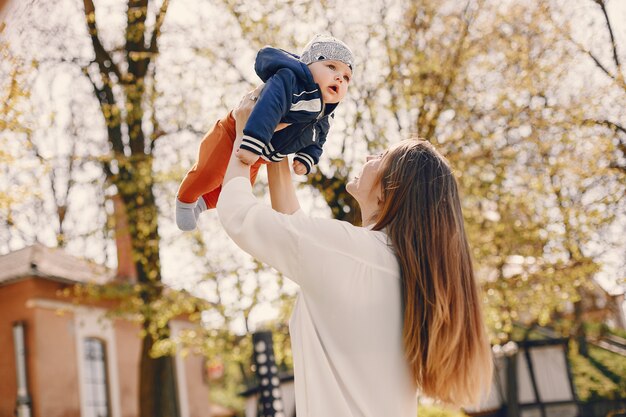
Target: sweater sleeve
point(313, 252)
point(267, 235)
point(273, 103)
point(310, 155)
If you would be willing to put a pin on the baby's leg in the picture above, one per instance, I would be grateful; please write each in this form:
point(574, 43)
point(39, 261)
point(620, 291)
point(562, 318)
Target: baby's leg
point(213, 155)
point(210, 199)
point(254, 169)
point(207, 173)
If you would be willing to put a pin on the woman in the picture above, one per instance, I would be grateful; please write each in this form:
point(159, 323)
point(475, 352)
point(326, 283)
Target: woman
point(384, 309)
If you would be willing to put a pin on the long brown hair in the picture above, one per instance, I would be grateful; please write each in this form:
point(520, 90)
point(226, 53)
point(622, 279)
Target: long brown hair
point(444, 335)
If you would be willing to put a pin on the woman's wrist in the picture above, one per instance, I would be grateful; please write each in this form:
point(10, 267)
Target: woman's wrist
point(282, 191)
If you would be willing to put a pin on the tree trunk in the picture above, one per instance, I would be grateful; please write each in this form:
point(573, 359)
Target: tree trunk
point(130, 171)
point(157, 383)
point(157, 388)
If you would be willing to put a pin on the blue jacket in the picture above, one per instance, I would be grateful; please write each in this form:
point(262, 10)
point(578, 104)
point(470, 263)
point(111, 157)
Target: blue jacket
point(291, 96)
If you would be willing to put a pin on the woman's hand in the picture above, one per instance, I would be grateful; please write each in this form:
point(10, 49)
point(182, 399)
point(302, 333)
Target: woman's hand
point(241, 113)
point(282, 191)
point(245, 106)
point(240, 161)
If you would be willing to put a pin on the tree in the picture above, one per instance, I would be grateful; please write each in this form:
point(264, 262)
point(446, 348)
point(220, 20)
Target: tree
point(608, 62)
point(119, 84)
point(14, 90)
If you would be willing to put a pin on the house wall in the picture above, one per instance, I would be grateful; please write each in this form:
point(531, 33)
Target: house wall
point(197, 387)
point(12, 309)
point(47, 339)
point(128, 354)
point(193, 387)
point(56, 363)
point(54, 330)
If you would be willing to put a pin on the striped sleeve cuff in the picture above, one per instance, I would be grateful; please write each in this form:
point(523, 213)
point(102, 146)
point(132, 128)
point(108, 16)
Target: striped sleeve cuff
point(305, 159)
point(252, 144)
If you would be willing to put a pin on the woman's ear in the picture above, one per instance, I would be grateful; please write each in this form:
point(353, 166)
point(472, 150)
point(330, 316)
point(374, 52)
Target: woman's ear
point(379, 195)
point(379, 201)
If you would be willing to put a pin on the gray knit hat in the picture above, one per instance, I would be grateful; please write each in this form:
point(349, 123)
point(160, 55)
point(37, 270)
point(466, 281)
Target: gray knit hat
point(325, 47)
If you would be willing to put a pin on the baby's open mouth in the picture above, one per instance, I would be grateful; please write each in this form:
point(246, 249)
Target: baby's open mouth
point(334, 88)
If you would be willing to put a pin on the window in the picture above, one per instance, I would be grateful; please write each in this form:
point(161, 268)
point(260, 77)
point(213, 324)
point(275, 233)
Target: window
point(96, 383)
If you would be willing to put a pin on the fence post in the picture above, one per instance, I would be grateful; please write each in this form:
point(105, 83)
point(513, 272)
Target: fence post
point(270, 403)
point(512, 406)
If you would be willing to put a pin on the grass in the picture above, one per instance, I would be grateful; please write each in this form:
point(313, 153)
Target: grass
point(596, 330)
point(589, 381)
point(424, 410)
point(614, 363)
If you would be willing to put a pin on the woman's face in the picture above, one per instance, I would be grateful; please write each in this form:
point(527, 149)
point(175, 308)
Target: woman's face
point(365, 187)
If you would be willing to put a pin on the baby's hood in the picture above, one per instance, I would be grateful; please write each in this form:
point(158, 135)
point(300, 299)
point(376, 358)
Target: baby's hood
point(269, 60)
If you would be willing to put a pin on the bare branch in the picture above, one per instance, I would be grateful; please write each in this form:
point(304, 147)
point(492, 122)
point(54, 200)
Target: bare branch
point(103, 58)
point(467, 18)
point(606, 123)
point(610, 29)
point(107, 104)
point(160, 18)
point(136, 54)
point(618, 78)
point(228, 59)
point(621, 145)
point(598, 63)
point(393, 73)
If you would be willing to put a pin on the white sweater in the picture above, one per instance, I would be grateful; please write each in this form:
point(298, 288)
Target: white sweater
point(346, 326)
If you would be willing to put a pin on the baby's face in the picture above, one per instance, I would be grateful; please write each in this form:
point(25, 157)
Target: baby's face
point(333, 77)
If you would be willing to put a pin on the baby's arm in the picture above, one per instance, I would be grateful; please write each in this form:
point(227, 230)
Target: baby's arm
point(272, 104)
point(307, 157)
point(250, 158)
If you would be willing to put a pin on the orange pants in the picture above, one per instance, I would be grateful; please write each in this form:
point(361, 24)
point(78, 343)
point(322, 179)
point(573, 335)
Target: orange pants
point(205, 178)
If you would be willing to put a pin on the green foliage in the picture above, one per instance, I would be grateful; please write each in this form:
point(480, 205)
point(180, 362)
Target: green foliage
point(597, 330)
point(617, 332)
point(234, 352)
point(615, 364)
point(15, 80)
point(589, 381)
point(13, 91)
point(127, 301)
point(434, 411)
point(520, 333)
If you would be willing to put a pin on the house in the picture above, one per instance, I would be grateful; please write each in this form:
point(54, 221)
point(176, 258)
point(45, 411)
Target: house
point(60, 358)
point(601, 306)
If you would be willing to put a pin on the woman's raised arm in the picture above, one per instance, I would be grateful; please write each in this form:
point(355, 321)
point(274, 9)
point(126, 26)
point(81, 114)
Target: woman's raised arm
point(282, 191)
point(236, 168)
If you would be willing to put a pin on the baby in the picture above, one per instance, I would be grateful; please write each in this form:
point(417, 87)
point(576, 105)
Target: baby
point(291, 116)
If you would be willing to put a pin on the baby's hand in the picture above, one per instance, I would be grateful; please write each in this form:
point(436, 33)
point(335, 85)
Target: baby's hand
point(299, 168)
point(246, 156)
